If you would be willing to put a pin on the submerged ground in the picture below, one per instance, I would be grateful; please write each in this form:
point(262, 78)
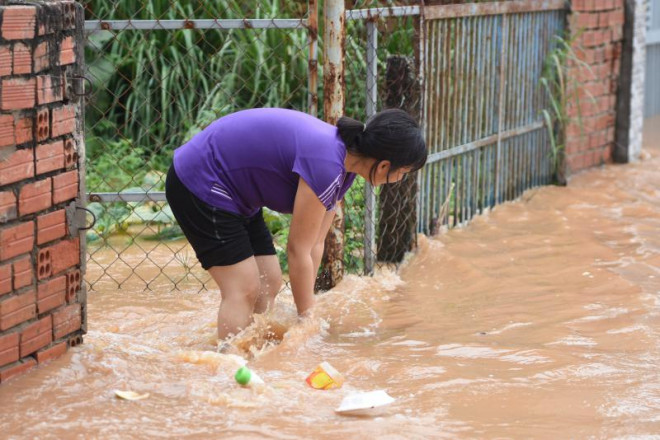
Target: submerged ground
point(538, 320)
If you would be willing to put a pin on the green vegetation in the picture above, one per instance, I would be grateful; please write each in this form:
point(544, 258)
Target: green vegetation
point(154, 90)
point(562, 90)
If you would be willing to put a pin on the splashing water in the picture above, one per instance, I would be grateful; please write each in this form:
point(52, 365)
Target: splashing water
point(539, 319)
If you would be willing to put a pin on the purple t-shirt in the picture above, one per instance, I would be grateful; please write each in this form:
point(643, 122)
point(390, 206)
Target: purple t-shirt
point(254, 158)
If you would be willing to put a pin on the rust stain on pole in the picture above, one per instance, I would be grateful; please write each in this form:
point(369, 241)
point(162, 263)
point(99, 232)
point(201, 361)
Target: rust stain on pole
point(333, 108)
point(312, 60)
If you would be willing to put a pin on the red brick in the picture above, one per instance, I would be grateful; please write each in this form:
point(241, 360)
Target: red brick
point(50, 156)
point(67, 53)
point(590, 38)
point(66, 320)
point(7, 131)
point(19, 22)
point(64, 255)
point(51, 353)
point(585, 20)
point(68, 14)
point(593, 90)
point(37, 335)
point(603, 4)
point(17, 309)
point(610, 134)
point(51, 294)
point(9, 348)
point(22, 59)
point(16, 240)
point(575, 162)
point(65, 186)
point(609, 52)
point(51, 226)
point(73, 284)
point(574, 144)
point(580, 5)
point(617, 17)
point(70, 155)
point(44, 266)
point(19, 165)
point(7, 206)
point(23, 272)
point(64, 120)
point(43, 124)
point(23, 130)
point(34, 197)
point(41, 57)
point(5, 279)
point(18, 93)
point(17, 369)
point(5, 61)
point(49, 89)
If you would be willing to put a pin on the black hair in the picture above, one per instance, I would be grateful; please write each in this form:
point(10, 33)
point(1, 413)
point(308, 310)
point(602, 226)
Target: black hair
point(391, 135)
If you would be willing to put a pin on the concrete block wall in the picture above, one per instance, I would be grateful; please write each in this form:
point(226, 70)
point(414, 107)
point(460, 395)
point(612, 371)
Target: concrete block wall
point(42, 297)
point(599, 24)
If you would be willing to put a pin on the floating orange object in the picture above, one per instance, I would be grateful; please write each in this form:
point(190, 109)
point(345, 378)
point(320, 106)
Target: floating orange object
point(325, 377)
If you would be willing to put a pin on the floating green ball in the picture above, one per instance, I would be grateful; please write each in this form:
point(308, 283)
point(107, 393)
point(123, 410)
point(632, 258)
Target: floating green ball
point(243, 375)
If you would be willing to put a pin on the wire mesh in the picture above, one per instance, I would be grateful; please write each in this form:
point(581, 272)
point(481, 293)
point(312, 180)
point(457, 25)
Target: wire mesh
point(156, 86)
point(152, 90)
point(373, 233)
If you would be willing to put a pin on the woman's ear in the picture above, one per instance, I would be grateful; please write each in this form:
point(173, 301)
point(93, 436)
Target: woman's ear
point(384, 166)
point(383, 171)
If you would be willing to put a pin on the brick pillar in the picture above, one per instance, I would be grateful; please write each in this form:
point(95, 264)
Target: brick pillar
point(599, 24)
point(42, 297)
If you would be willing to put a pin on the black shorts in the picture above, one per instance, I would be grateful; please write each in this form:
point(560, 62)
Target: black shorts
point(219, 238)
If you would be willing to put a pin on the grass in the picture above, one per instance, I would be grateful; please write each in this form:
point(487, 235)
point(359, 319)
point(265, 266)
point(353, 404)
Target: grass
point(154, 90)
point(562, 90)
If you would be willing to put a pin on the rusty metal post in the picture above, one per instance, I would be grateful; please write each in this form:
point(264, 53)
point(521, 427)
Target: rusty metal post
point(369, 194)
point(398, 201)
point(312, 58)
point(333, 108)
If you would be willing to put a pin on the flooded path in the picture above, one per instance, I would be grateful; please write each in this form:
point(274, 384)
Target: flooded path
point(539, 320)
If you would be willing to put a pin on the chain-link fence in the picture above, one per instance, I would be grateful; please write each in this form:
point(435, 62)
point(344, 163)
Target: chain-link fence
point(162, 70)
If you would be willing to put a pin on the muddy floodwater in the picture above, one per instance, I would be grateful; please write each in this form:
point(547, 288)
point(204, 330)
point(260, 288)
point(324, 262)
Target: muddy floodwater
point(540, 319)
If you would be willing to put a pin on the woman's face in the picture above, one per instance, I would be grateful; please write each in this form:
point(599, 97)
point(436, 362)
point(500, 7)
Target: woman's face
point(383, 169)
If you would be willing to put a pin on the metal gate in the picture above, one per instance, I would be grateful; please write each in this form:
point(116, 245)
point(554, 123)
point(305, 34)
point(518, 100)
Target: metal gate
point(652, 81)
point(482, 103)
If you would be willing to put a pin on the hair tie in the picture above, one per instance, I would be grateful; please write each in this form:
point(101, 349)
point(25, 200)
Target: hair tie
point(364, 128)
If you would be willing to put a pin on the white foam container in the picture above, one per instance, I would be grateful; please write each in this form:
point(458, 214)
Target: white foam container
point(369, 403)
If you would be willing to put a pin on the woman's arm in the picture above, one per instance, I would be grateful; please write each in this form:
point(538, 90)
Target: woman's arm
point(309, 215)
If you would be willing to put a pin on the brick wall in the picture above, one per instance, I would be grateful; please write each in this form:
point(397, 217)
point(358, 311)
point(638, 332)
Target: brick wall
point(600, 27)
point(42, 299)
point(599, 24)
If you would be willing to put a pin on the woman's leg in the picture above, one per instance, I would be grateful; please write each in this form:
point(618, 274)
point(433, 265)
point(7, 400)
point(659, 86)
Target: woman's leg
point(270, 276)
point(239, 287)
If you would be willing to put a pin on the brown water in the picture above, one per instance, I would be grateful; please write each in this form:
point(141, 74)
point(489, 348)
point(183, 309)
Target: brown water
point(539, 320)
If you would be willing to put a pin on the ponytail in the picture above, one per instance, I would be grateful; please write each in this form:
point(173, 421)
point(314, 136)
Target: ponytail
point(351, 132)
